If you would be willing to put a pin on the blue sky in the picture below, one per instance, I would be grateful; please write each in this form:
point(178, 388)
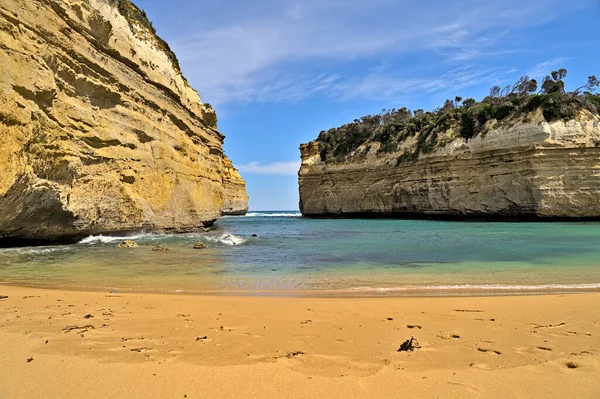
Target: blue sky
point(279, 72)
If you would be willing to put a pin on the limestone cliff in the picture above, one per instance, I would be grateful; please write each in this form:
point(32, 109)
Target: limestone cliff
point(234, 191)
point(524, 169)
point(99, 130)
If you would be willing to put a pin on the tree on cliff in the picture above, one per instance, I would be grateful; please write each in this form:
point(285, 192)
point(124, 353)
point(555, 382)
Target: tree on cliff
point(392, 128)
point(495, 91)
point(524, 85)
point(554, 83)
point(448, 105)
point(469, 102)
point(590, 86)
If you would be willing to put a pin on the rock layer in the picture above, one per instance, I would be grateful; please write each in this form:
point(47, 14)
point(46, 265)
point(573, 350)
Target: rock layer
point(528, 169)
point(99, 130)
point(234, 191)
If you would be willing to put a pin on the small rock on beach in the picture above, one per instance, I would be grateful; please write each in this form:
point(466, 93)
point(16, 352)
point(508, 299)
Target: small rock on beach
point(127, 244)
point(159, 248)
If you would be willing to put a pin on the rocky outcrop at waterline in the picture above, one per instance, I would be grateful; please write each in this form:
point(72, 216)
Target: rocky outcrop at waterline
point(99, 130)
point(519, 167)
point(234, 191)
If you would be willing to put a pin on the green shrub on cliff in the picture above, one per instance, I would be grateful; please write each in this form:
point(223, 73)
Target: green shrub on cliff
point(393, 128)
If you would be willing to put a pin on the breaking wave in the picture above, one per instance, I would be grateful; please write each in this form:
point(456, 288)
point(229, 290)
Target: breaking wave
point(273, 215)
point(224, 239)
point(101, 239)
point(227, 239)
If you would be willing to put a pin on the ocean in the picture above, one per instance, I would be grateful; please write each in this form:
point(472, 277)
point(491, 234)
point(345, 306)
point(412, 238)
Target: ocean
point(295, 256)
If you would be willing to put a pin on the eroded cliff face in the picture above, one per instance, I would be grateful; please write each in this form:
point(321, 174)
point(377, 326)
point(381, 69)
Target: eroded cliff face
point(526, 169)
point(234, 191)
point(99, 131)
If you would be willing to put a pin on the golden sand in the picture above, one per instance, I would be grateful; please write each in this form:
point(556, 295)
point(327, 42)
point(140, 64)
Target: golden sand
point(60, 344)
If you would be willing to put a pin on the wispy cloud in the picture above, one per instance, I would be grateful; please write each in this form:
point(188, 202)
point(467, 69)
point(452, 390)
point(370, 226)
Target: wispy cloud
point(281, 87)
point(288, 50)
point(383, 84)
point(275, 168)
point(544, 68)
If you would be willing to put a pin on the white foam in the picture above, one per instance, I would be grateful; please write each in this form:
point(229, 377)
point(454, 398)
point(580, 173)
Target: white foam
point(101, 239)
point(482, 287)
point(274, 215)
point(227, 239)
point(33, 250)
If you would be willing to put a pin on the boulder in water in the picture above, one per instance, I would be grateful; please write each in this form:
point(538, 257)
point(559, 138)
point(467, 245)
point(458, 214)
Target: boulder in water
point(200, 245)
point(127, 244)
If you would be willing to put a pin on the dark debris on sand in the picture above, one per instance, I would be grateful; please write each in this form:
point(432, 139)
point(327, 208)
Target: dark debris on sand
point(82, 329)
point(409, 345)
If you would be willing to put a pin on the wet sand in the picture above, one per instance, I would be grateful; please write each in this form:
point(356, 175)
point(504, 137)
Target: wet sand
point(95, 345)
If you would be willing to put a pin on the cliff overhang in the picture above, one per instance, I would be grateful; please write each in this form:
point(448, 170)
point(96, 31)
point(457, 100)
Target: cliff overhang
point(100, 132)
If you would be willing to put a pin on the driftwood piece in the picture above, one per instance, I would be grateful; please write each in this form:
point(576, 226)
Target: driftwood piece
point(536, 326)
point(411, 326)
point(139, 350)
point(83, 328)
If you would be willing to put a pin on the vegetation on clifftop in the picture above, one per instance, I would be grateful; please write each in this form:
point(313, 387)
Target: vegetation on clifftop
point(457, 118)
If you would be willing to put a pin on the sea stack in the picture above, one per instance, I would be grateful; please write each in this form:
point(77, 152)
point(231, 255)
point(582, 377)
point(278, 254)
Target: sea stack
point(521, 157)
point(99, 130)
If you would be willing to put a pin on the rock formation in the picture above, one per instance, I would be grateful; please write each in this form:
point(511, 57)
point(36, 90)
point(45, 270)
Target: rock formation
point(522, 169)
point(234, 191)
point(99, 130)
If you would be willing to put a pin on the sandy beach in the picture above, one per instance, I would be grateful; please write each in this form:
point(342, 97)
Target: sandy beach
point(96, 345)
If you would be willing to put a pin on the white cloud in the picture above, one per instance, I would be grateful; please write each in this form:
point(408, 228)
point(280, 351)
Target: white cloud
point(275, 168)
point(288, 50)
point(544, 68)
point(382, 84)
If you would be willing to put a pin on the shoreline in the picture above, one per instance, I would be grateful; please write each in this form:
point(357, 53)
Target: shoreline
point(208, 226)
point(374, 293)
point(95, 344)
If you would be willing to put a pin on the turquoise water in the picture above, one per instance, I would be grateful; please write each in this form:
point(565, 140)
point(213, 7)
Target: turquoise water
point(298, 256)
